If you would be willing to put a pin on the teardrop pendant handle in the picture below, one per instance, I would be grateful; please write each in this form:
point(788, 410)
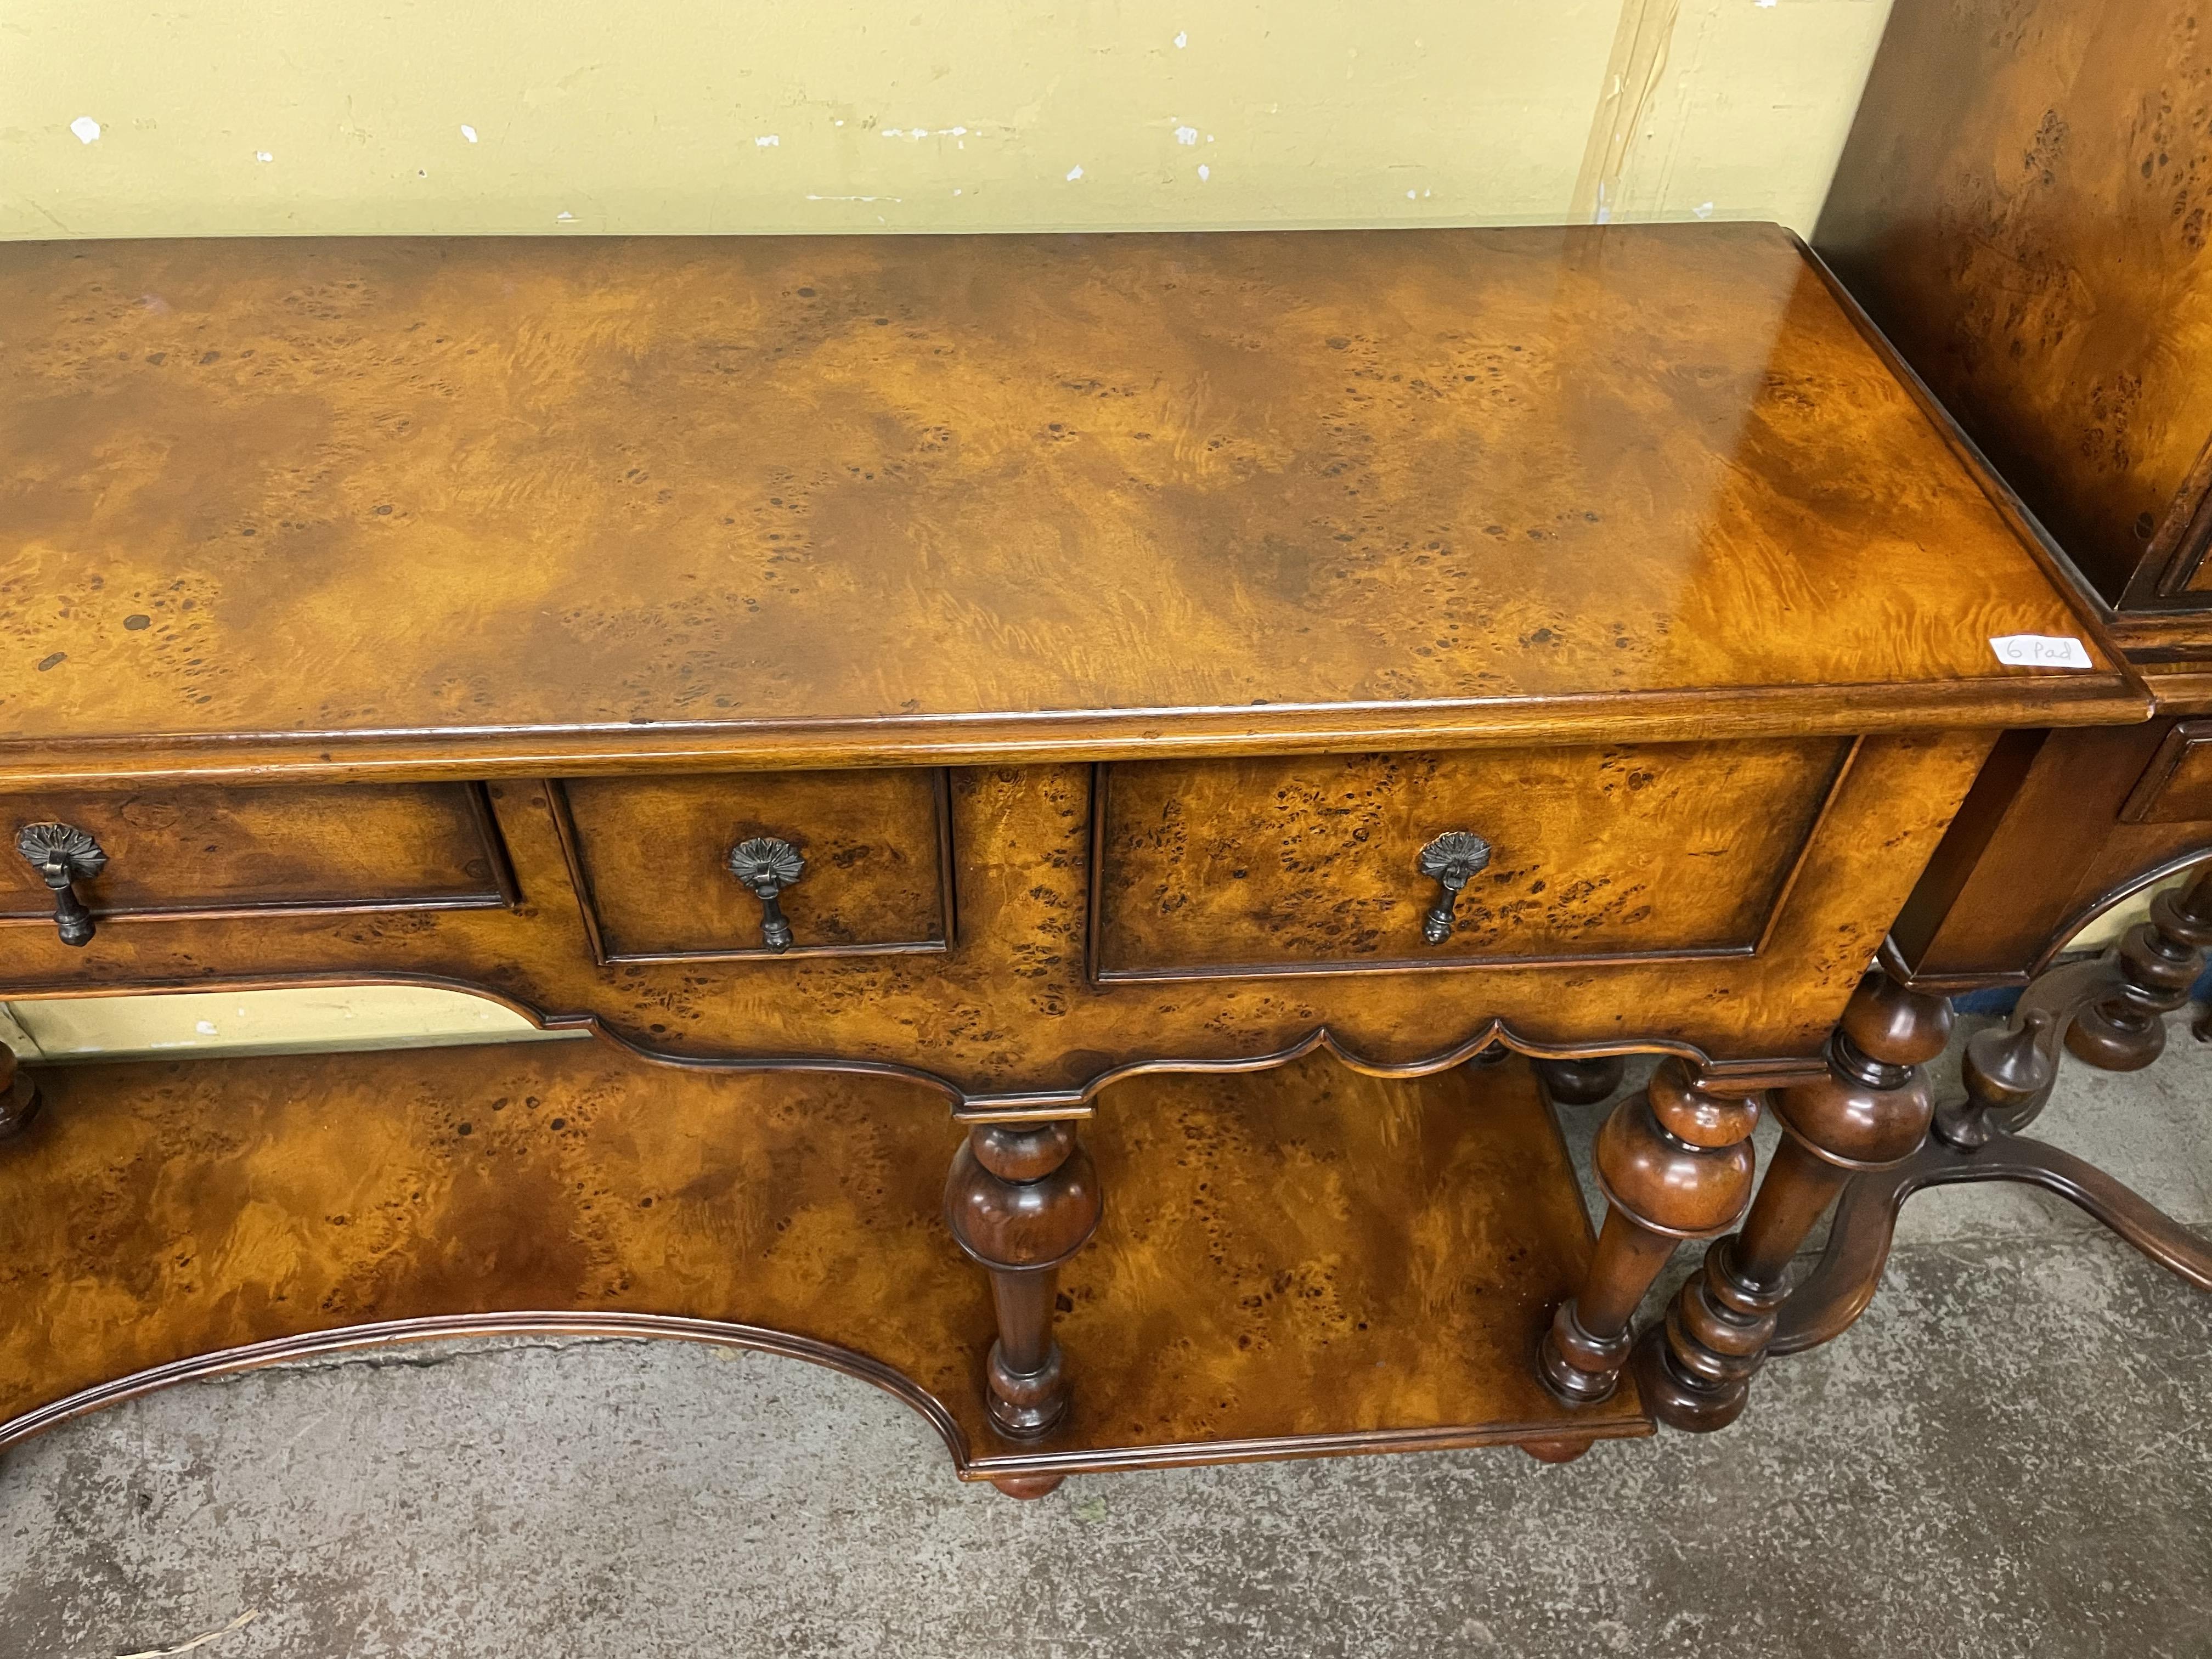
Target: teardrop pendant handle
point(767, 866)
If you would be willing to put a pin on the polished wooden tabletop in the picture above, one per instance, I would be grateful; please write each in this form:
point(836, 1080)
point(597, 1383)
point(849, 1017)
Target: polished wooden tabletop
point(532, 501)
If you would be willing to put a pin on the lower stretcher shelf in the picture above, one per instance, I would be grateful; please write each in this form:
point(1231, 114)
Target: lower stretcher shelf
point(1303, 1260)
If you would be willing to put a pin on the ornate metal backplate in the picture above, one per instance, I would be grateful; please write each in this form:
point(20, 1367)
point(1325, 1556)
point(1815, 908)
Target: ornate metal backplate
point(1451, 860)
point(61, 854)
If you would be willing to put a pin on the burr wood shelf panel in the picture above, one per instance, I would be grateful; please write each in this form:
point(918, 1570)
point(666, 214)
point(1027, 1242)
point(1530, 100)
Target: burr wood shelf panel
point(1297, 1261)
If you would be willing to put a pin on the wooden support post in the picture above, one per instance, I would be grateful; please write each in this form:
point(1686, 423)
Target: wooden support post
point(1871, 1112)
point(1021, 1199)
point(1675, 1163)
point(2110, 1012)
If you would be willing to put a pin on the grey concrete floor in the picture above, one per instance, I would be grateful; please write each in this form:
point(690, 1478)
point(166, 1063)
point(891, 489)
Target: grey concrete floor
point(2011, 1454)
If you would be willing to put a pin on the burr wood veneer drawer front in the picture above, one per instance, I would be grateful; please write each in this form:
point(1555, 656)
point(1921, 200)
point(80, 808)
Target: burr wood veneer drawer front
point(193, 851)
point(1315, 865)
point(759, 864)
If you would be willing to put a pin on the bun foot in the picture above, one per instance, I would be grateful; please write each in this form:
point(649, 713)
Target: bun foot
point(2116, 1040)
point(1027, 1486)
point(1555, 1451)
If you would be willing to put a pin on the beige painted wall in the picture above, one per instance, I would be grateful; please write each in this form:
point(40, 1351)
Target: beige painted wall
point(560, 118)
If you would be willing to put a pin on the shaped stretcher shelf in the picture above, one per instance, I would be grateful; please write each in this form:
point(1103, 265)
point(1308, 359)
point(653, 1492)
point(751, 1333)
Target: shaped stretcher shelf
point(1299, 1261)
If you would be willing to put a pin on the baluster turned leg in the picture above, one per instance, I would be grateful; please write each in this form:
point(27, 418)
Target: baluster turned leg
point(2109, 1010)
point(19, 1097)
point(1021, 1199)
point(1871, 1112)
point(1675, 1163)
point(2157, 963)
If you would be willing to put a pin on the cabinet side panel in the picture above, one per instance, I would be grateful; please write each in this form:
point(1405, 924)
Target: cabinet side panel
point(2024, 207)
point(2058, 847)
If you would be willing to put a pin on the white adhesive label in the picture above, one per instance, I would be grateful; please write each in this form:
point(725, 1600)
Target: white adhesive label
point(2041, 651)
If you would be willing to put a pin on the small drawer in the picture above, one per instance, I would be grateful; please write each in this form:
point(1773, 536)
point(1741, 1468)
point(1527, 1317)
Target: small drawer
point(853, 863)
point(2176, 787)
point(175, 853)
point(1315, 865)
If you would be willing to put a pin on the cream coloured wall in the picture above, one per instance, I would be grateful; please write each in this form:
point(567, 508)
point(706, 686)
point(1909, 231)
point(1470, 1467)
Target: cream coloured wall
point(559, 117)
point(1731, 109)
point(562, 118)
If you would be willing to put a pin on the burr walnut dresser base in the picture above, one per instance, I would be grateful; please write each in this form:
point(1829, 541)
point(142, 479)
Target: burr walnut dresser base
point(1145, 721)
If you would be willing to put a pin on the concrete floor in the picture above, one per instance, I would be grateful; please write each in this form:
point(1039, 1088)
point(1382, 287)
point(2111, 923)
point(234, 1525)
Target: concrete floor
point(2011, 1454)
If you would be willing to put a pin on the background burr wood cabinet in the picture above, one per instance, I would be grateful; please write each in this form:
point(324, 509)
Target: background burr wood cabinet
point(2023, 208)
point(1182, 707)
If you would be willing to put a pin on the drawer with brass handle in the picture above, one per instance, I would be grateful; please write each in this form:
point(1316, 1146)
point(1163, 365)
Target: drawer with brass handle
point(759, 864)
point(64, 855)
point(79, 860)
point(1363, 862)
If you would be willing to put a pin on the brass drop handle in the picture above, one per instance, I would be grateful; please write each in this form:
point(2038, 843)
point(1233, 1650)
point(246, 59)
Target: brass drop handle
point(767, 866)
point(1451, 861)
point(61, 854)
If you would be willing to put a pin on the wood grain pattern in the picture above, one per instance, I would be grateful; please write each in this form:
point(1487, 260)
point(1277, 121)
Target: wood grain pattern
point(196, 851)
point(802, 501)
point(650, 860)
point(1624, 851)
point(2024, 207)
point(1302, 1263)
point(1008, 1014)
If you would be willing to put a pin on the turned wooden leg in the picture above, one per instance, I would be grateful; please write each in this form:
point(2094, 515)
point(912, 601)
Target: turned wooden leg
point(1022, 1198)
point(1675, 1163)
point(1581, 1082)
point(2156, 963)
point(1871, 1112)
point(2009, 1074)
point(18, 1095)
